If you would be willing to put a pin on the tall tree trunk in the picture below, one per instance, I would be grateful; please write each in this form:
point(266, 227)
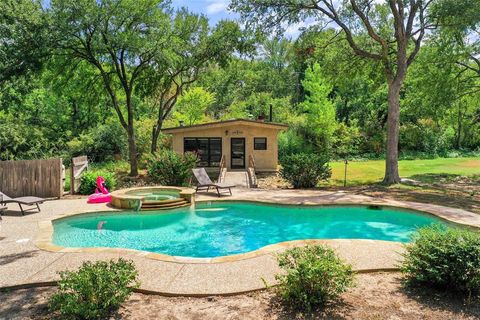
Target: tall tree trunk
point(132, 152)
point(132, 144)
point(458, 133)
point(75, 117)
point(155, 134)
point(393, 129)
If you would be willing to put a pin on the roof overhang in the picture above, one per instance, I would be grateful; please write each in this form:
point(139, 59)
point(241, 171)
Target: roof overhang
point(219, 124)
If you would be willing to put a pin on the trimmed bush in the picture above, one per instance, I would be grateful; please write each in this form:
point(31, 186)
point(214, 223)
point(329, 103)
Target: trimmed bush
point(95, 290)
point(444, 258)
point(169, 168)
point(89, 181)
point(313, 276)
point(305, 170)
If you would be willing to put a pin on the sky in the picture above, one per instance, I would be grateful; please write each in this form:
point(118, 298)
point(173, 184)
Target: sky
point(215, 10)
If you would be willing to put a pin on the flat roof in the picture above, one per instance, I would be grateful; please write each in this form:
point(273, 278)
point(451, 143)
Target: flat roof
point(216, 124)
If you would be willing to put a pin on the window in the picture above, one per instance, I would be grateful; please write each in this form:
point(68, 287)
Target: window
point(260, 143)
point(209, 150)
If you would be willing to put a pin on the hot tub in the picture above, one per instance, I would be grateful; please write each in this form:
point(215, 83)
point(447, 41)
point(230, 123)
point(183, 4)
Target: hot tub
point(153, 198)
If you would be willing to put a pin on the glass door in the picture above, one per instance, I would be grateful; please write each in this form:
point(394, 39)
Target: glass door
point(237, 153)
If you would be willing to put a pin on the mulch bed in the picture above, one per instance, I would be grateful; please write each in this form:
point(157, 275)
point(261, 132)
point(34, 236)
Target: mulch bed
point(376, 296)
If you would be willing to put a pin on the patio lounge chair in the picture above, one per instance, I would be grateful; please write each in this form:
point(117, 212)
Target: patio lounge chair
point(27, 201)
point(204, 182)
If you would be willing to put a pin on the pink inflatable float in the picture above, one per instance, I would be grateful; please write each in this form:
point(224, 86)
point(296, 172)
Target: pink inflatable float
point(101, 194)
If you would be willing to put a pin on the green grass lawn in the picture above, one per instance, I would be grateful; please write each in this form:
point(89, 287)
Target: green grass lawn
point(366, 172)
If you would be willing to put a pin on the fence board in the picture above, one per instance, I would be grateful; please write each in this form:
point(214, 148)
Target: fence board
point(40, 178)
point(79, 165)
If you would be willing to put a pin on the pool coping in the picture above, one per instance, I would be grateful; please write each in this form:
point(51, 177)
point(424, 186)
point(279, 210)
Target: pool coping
point(124, 192)
point(44, 239)
point(121, 199)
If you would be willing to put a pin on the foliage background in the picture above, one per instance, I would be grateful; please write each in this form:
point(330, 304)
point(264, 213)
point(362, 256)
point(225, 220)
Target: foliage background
point(333, 101)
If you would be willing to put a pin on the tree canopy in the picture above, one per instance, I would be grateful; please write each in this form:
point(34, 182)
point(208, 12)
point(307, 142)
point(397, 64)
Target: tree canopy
point(383, 79)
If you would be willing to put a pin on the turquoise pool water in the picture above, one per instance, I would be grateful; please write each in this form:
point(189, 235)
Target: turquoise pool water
point(156, 194)
point(225, 228)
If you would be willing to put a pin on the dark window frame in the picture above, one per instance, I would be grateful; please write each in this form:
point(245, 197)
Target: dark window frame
point(255, 143)
point(209, 148)
point(244, 153)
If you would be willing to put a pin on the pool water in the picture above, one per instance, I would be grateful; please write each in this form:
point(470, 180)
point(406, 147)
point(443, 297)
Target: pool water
point(226, 228)
point(156, 195)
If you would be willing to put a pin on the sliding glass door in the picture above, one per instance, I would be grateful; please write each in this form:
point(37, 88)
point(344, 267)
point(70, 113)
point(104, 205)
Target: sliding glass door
point(209, 150)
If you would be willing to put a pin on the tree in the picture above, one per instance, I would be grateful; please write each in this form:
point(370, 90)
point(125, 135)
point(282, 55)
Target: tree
point(390, 34)
point(193, 105)
point(450, 90)
point(194, 47)
point(242, 78)
point(120, 39)
point(257, 104)
point(23, 37)
point(459, 34)
point(268, 74)
point(319, 109)
point(76, 95)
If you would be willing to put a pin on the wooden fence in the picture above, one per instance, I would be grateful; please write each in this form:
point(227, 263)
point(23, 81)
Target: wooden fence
point(40, 178)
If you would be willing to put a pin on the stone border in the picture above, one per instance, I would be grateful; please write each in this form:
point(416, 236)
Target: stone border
point(44, 238)
point(46, 284)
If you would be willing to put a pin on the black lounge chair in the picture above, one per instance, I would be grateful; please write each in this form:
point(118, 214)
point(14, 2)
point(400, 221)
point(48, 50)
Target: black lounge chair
point(26, 201)
point(205, 183)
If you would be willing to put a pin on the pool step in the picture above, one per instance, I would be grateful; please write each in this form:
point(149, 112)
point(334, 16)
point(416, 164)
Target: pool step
point(172, 201)
point(186, 204)
point(164, 205)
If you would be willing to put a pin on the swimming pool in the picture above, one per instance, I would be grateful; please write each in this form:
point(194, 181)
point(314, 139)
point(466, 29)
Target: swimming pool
point(225, 228)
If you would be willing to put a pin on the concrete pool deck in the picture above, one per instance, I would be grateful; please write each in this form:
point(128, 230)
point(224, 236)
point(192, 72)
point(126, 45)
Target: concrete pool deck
point(22, 262)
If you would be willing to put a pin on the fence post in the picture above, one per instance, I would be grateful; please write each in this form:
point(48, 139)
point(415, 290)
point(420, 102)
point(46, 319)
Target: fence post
point(72, 179)
point(79, 164)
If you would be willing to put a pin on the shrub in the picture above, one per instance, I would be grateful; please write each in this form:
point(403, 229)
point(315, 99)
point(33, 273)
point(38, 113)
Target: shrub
point(305, 170)
point(95, 290)
point(444, 258)
point(169, 168)
point(314, 275)
point(88, 182)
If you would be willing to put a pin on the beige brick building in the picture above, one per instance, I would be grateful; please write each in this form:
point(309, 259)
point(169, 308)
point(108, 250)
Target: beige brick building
point(236, 140)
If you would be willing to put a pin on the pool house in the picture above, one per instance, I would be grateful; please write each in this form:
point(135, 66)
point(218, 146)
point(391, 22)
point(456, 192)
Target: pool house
point(238, 142)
